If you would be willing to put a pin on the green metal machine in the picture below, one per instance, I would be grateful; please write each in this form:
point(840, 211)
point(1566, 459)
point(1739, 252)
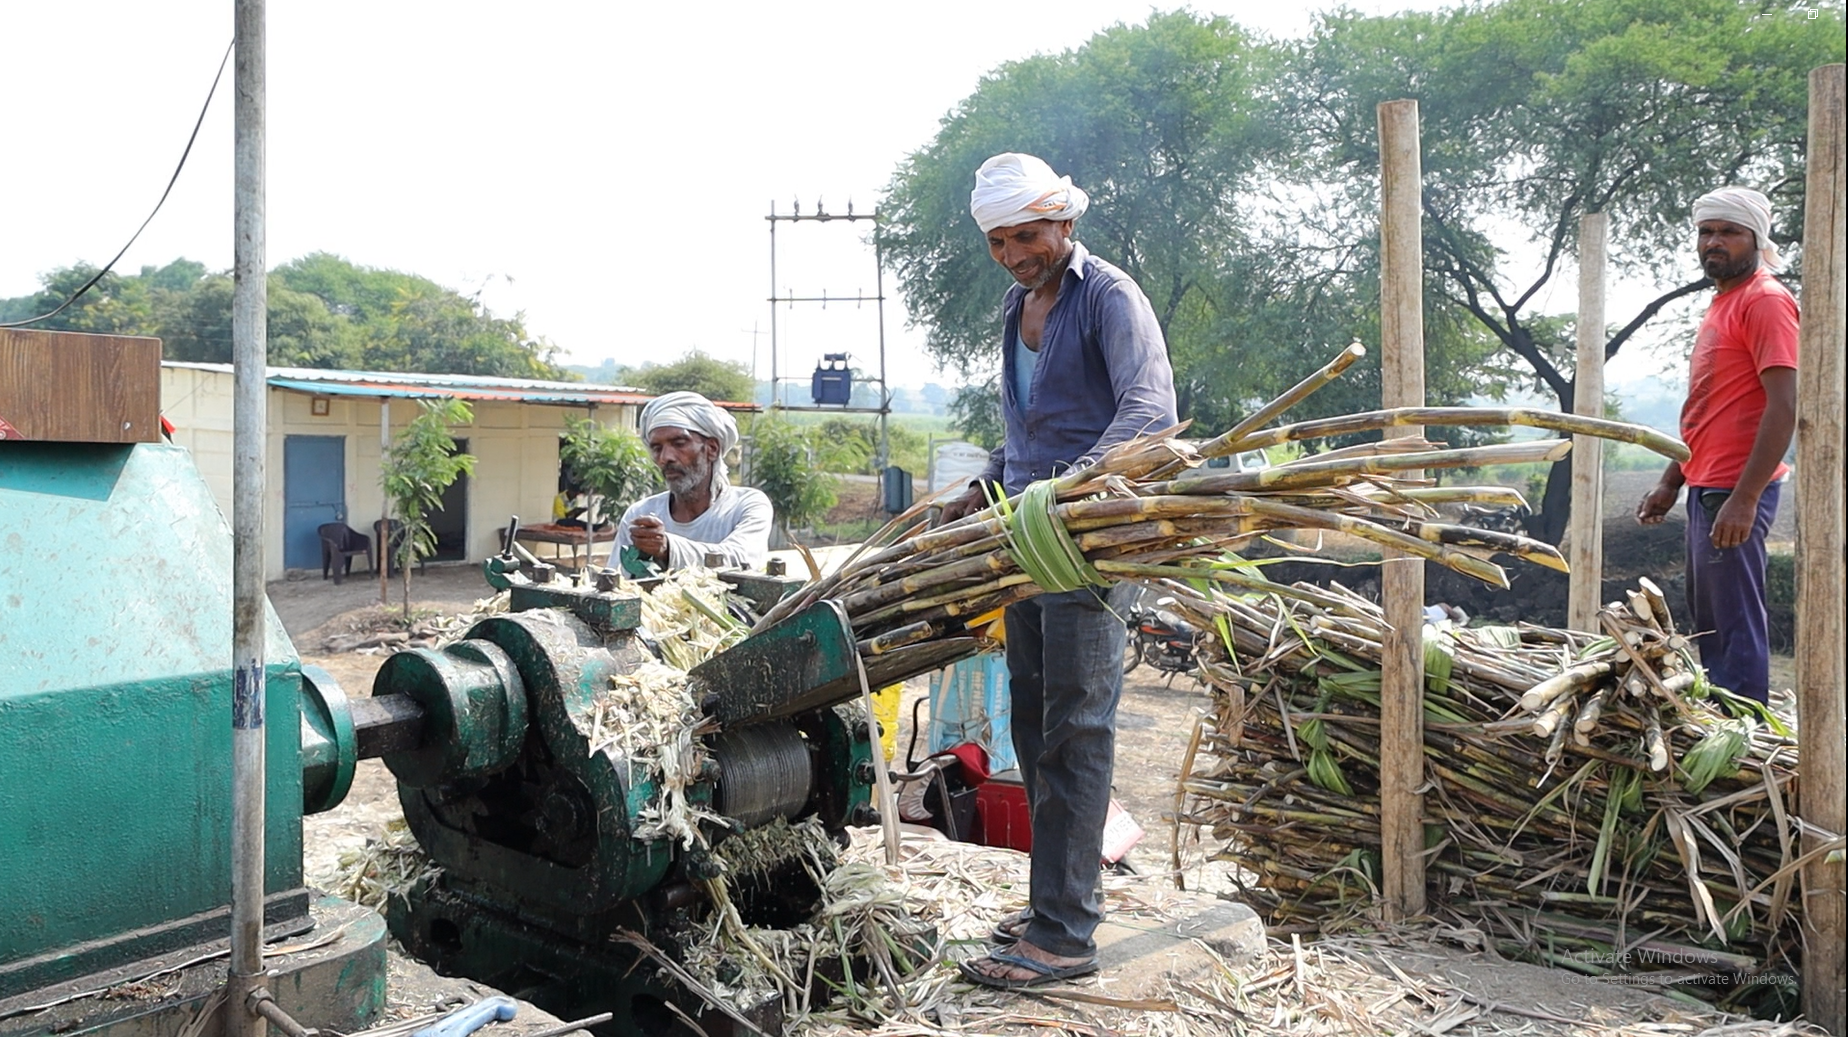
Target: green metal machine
point(536, 828)
point(115, 773)
point(115, 753)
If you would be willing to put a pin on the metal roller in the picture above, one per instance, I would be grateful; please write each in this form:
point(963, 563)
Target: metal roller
point(764, 773)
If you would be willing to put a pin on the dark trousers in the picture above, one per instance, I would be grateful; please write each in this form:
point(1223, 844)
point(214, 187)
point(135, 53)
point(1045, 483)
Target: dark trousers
point(1726, 596)
point(1065, 674)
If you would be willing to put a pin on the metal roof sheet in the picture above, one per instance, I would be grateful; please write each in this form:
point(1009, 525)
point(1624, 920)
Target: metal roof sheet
point(323, 382)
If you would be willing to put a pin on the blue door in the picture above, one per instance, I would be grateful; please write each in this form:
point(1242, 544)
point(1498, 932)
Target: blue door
point(313, 492)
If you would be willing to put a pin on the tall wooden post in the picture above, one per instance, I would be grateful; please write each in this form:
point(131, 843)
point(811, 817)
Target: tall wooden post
point(1819, 476)
point(1402, 576)
point(1587, 554)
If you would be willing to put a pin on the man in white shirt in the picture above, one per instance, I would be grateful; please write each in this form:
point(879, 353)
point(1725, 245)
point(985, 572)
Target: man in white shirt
point(701, 513)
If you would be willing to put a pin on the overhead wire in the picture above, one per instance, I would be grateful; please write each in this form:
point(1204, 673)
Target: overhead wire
point(100, 274)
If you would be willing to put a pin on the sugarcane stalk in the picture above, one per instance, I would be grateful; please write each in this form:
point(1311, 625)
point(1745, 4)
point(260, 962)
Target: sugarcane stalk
point(1567, 681)
point(1527, 549)
point(1658, 602)
point(1573, 424)
point(915, 633)
point(1316, 472)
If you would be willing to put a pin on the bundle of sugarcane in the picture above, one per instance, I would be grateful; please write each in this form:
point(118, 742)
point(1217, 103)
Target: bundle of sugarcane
point(1591, 802)
point(1146, 511)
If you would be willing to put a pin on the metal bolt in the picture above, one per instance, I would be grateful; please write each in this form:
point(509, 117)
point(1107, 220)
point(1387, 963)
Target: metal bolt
point(863, 772)
point(776, 567)
point(606, 580)
point(863, 816)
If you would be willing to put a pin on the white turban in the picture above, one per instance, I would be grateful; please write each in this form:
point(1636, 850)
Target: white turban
point(695, 413)
point(1747, 208)
point(1013, 189)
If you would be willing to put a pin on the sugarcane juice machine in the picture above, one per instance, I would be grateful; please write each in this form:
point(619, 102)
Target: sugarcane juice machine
point(545, 882)
point(115, 774)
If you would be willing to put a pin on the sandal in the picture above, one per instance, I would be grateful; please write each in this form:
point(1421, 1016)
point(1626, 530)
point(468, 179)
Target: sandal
point(1044, 973)
point(1012, 928)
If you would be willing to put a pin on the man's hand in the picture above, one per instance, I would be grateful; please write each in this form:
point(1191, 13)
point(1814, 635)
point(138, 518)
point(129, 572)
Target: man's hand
point(1732, 524)
point(969, 503)
point(1656, 504)
point(650, 538)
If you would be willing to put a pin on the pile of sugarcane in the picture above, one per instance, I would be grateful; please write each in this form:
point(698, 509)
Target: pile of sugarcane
point(1591, 802)
point(1147, 510)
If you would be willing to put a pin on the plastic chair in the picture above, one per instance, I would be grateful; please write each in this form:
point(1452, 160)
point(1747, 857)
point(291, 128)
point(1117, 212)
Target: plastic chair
point(339, 544)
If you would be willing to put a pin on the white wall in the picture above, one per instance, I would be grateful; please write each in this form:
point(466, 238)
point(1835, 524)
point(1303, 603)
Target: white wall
point(515, 446)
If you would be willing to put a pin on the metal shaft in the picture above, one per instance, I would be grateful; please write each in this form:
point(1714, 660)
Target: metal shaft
point(249, 353)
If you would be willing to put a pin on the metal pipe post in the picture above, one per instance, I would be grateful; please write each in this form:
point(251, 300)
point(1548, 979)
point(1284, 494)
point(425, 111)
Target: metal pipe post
point(1587, 551)
point(250, 355)
point(1402, 583)
point(885, 389)
point(773, 386)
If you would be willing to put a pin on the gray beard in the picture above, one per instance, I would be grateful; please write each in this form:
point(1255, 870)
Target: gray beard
point(694, 480)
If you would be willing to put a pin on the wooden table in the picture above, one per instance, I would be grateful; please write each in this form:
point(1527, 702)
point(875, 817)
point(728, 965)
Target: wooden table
point(561, 536)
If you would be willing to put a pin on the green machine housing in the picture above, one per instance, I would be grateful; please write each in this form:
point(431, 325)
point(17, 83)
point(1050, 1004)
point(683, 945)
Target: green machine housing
point(537, 827)
point(115, 747)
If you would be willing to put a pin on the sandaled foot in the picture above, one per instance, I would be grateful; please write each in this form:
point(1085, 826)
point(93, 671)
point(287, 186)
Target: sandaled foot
point(1025, 966)
point(1011, 928)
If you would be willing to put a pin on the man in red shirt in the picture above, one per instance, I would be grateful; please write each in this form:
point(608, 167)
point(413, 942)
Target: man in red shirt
point(1738, 419)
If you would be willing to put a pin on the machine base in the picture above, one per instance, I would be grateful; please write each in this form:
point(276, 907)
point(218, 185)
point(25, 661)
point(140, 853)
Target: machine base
point(332, 977)
point(458, 935)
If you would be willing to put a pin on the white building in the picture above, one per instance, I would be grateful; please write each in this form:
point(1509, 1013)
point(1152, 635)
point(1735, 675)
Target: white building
point(324, 446)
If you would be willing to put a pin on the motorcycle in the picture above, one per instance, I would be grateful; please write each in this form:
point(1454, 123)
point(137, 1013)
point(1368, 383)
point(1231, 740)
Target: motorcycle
point(1160, 637)
point(1510, 519)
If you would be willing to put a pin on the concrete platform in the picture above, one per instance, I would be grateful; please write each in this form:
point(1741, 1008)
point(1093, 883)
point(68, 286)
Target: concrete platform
point(1189, 938)
point(332, 977)
point(1139, 958)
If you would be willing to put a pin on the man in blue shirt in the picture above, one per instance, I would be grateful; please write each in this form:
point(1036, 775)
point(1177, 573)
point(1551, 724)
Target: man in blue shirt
point(1084, 367)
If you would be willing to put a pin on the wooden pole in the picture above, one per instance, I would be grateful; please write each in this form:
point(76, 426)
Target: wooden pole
point(1402, 576)
point(1819, 477)
point(1587, 553)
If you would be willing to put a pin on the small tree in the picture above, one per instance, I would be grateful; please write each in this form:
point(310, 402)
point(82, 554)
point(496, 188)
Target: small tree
point(611, 464)
point(782, 467)
point(421, 463)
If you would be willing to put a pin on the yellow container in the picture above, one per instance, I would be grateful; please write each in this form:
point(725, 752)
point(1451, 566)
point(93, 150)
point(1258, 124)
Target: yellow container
point(885, 711)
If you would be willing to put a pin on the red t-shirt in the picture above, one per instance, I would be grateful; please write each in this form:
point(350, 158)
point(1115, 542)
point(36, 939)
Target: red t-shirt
point(1747, 330)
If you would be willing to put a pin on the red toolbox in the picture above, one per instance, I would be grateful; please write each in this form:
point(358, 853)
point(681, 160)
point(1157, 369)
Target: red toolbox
point(1001, 815)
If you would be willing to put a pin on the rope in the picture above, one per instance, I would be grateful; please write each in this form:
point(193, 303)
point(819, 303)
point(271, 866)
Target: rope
point(1039, 544)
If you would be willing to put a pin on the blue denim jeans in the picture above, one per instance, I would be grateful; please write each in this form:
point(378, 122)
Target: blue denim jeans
point(1726, 596)
point(1065, 673)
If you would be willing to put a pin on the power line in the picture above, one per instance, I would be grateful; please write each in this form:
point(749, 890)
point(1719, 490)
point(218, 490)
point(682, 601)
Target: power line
point(91, 283)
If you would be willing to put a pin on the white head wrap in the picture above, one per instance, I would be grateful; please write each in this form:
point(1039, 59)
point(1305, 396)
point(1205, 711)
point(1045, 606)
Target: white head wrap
point(1012, 189)
point(1747, 208)
point(695, 413)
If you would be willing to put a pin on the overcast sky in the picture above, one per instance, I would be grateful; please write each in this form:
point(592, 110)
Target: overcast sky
point(604, 168)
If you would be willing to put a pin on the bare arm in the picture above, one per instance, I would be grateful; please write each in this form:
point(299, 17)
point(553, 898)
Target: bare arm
point(1732, 524)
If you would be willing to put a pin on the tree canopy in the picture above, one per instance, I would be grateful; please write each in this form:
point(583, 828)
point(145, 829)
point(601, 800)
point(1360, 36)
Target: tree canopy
point(323, 312)
point(1237, 180)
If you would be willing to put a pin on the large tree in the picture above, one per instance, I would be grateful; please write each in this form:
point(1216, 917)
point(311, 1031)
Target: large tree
point(1172, 128)
point(1535, 112)
point(1154, 122)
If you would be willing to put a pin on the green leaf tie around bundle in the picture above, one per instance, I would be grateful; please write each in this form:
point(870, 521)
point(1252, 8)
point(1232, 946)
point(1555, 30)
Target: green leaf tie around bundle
point(1039, 544)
